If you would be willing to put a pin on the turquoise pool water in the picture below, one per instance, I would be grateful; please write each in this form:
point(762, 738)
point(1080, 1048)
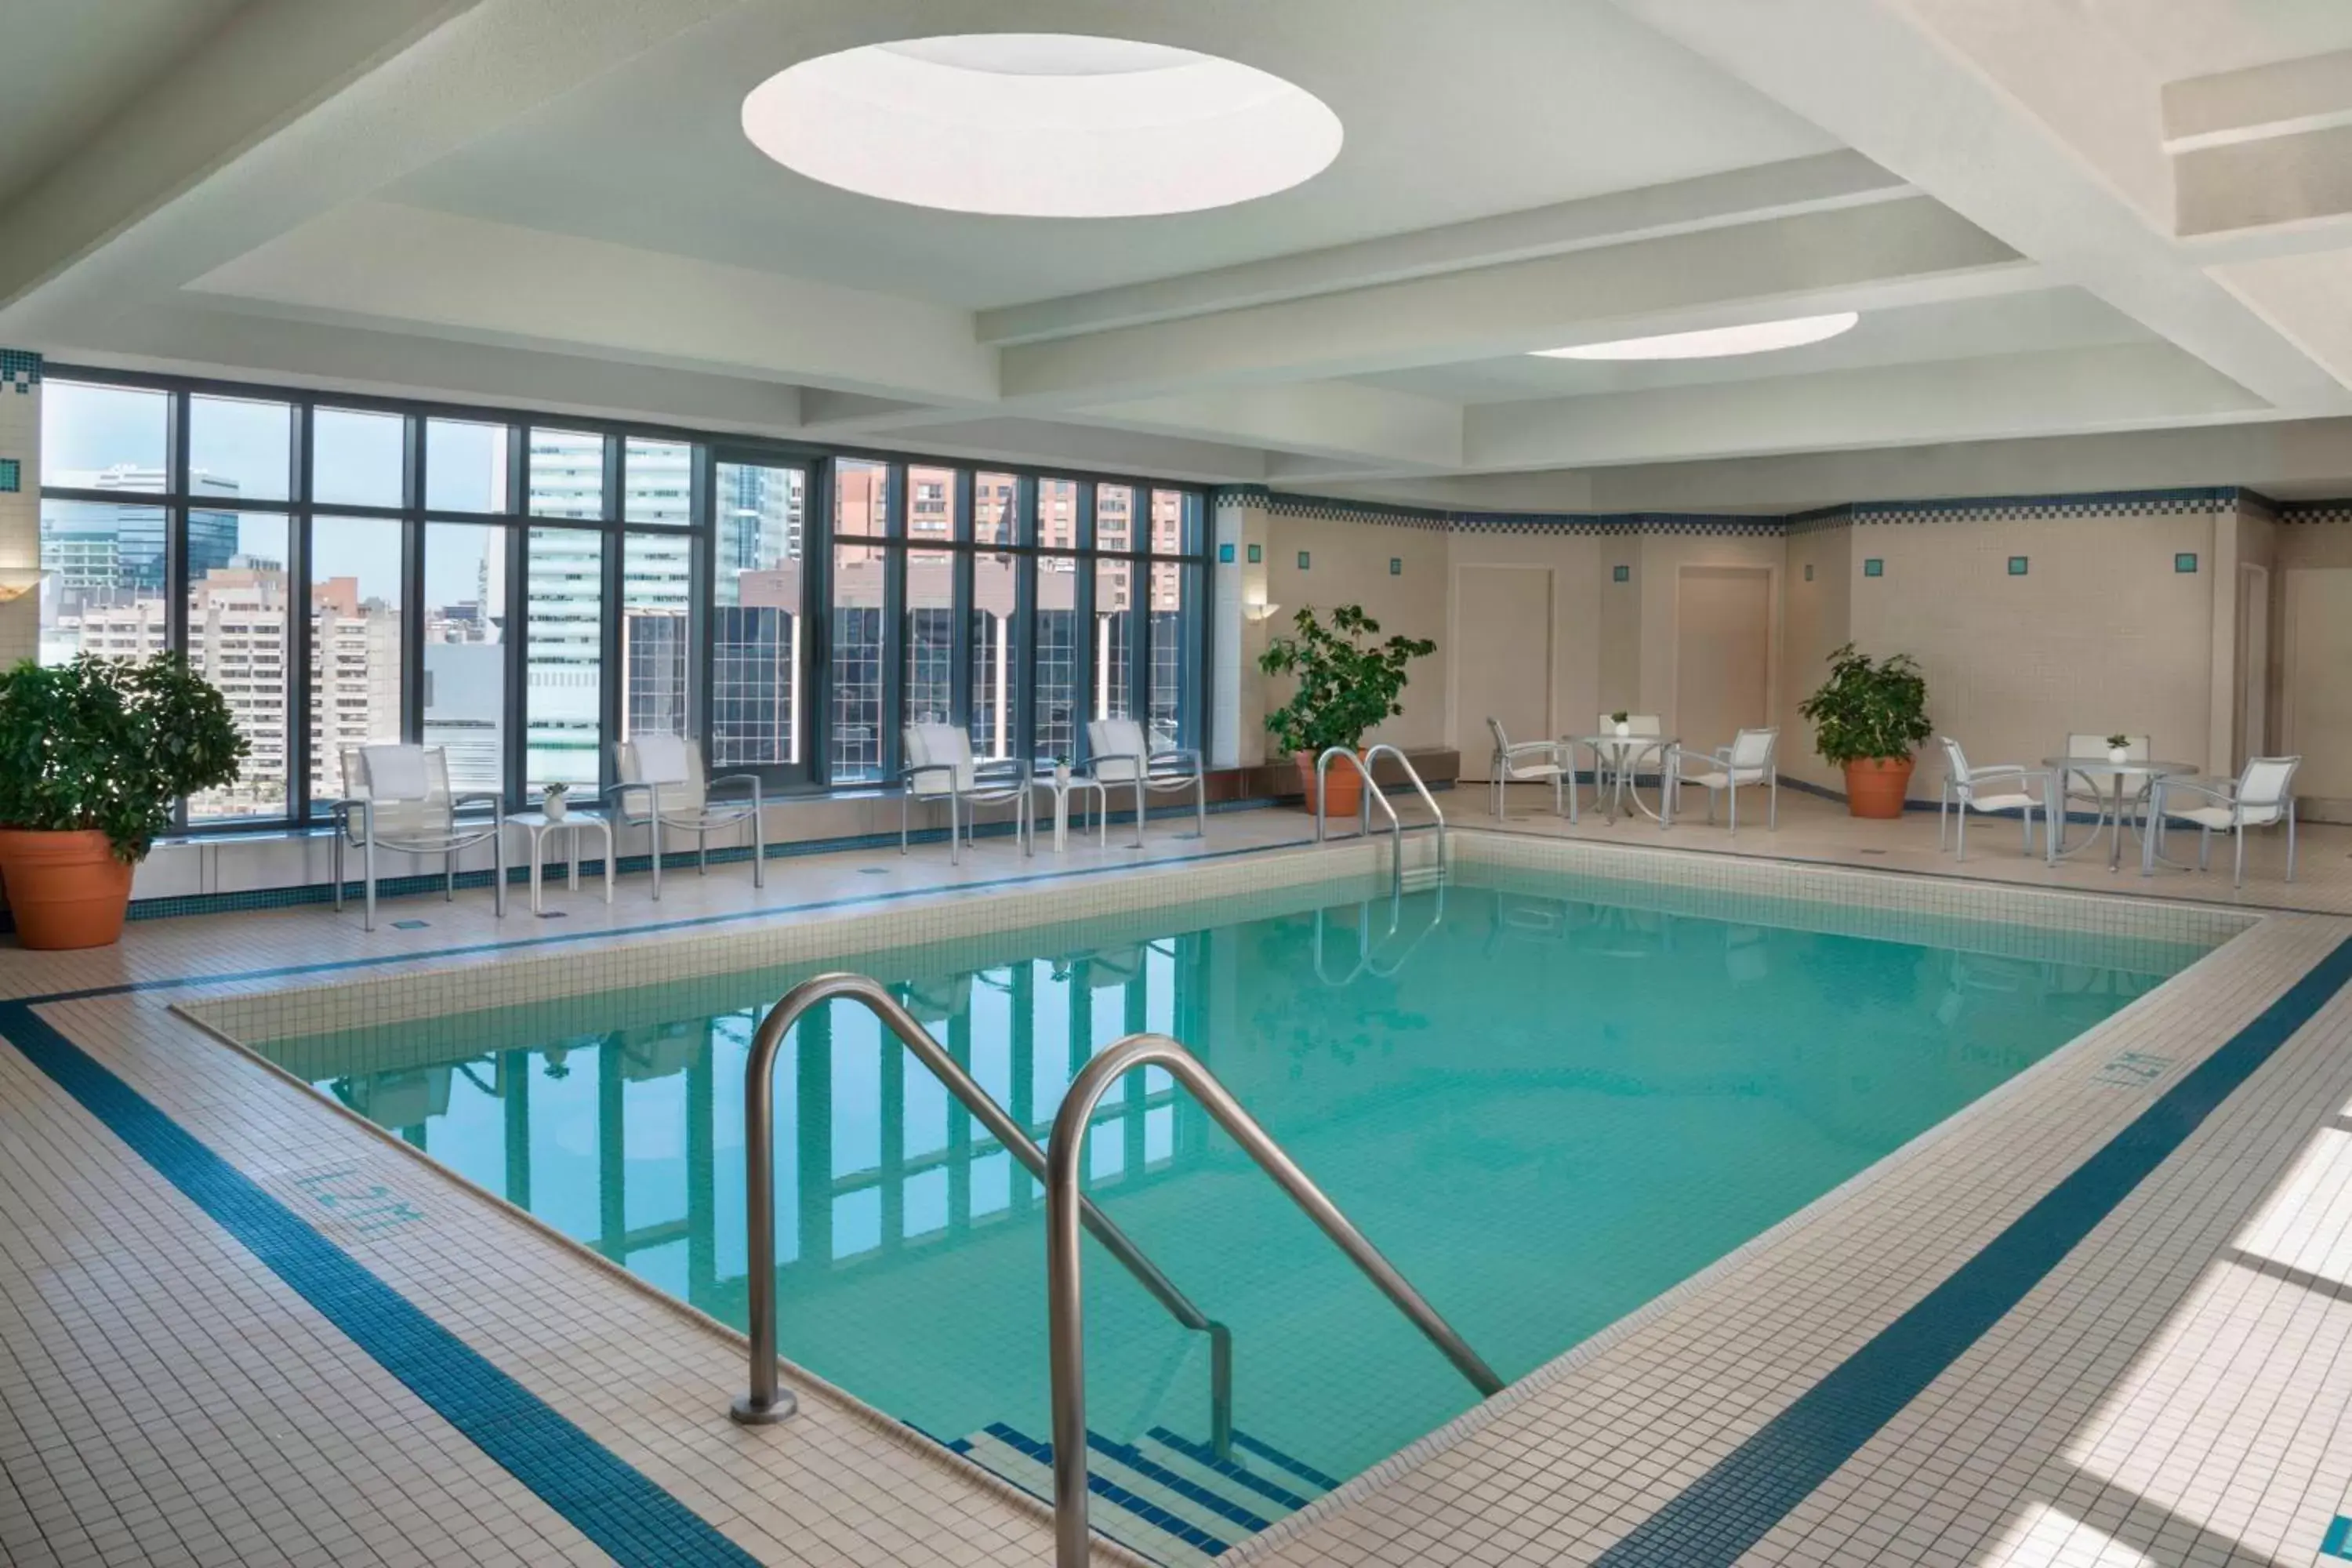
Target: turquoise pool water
point(1546, 1100)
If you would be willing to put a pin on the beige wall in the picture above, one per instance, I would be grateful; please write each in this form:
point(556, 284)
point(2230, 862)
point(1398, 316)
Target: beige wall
point(2312, 702)
point(20, 519)
point(2101, 634)
point(1816, 619)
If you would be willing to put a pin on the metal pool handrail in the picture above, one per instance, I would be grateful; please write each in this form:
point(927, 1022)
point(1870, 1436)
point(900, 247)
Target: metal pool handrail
point(1372, 791)
point(1066, 1208)
point(765, 1402)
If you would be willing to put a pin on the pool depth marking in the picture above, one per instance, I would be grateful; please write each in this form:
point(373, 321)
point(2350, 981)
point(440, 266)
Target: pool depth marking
point(1736, 1504)
point(607, 1499)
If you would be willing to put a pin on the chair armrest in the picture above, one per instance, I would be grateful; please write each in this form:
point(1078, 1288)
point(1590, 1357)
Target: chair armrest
point(1011, 769)
point(479, 797)
point(725, 781)
point(2220, 795)
point(1141, 765)
point(909, 774)
point(1518, 749)
point(1979, 776)
point(1185, 756)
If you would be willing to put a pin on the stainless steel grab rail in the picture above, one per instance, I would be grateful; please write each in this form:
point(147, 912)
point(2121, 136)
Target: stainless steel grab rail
point(765, 1402)
point(1066, 1208)
point(1372, 791)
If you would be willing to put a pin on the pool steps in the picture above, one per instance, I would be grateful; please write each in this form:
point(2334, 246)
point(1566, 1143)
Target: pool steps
point(1164, 1496)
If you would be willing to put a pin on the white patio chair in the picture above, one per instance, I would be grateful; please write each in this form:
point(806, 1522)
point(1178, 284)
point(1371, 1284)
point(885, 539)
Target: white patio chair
point(1746, 761)
point(400, 800)
point(662, 786)
point(1526, 762)
point(2263, 794)
point(1969, 789)
point(1118, 753)
point(939, 766)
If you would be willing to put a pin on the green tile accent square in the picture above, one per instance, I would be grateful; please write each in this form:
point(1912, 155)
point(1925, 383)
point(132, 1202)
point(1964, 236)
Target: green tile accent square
point(2185, 562)
point(1809, 570)
point(1873, 566)
point(1257, 554)
point(2017, 565)
point(1225, 553)
point(12, 474)
point(1302, 561)
point(1621, 574)
point(1396, 565)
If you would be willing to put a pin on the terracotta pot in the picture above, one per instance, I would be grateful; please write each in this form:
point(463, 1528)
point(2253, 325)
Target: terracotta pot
point(1876, 785)
point(1346, 784)
point(65, 889)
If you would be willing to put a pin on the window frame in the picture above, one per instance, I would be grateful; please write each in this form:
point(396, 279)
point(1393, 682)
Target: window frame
point(813, 773)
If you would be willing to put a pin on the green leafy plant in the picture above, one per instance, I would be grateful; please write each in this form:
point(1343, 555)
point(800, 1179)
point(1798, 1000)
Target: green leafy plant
point(109, 744)
point(1618, 717)
point(2120, 743)
point(1868, 710)
point(1347, 683)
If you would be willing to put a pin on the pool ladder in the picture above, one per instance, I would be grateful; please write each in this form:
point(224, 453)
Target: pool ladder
point(1401, 880)
point(1068, 1212)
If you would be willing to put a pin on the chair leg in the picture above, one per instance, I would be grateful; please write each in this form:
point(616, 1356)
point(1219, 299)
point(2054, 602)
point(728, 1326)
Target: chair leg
point(652, 833)
point(1772, 805)
point(955, 841)
point(1139, 811)
point(1960, 837)
point(335, 863)
point(1943, 815)
point(2290, 838)
point(498, 875)
point(2028, 814)
point(902, 822)
point(1201, 804)
point(2204, 848)
point(448, 876)
point(758, 846)
point(367, 852)
point(2239, 875)
point(702, 851)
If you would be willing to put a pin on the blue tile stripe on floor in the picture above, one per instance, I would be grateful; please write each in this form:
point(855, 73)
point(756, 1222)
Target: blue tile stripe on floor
point(605, 1498)
point(1732, 1507)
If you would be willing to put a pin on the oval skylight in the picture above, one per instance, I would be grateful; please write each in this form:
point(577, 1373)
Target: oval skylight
point(1042, 125)
point(1716, 342)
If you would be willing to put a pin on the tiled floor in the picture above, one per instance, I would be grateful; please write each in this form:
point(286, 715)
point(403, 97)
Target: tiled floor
point(2171, 1392)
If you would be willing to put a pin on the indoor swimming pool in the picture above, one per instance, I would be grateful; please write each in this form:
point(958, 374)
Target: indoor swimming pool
point(1547, 1099)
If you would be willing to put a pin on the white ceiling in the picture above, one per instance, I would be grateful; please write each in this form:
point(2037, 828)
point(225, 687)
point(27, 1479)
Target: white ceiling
point(67, 66)
point(1442, 125)
point(2040, 320)
point(549, 204)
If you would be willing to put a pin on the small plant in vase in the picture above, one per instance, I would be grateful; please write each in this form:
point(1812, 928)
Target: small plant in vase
point(2119, 747)
point(1622, 721)
point(555, 801)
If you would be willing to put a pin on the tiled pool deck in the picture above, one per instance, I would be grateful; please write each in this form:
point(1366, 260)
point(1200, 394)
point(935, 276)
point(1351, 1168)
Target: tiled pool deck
point(223, 1344)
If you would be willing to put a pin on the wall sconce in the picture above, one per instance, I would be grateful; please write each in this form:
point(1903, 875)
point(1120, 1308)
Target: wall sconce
point(1259, 612)
point(15, 582)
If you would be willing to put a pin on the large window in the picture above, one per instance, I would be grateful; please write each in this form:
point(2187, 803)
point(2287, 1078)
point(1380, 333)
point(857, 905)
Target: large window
point(523, 594)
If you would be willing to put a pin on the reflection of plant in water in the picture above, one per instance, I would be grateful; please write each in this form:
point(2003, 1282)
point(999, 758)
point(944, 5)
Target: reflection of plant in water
point(557, 1067)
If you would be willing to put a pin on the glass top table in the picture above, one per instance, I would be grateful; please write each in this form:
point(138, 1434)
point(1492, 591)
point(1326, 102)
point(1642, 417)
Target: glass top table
point(1614, 762)
point(2106, 778)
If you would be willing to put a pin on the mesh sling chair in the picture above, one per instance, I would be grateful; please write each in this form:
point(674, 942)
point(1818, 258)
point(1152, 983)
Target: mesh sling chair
point(1966, 788)
point(1746, 761)
point(2263, 794)
point(1523, 762)
point(400, 800)
point(1120, 754)
point(662, 786)
point(941, 766)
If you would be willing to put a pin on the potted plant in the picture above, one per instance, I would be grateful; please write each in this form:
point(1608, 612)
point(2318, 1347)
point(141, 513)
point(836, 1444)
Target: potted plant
point(93, 756)
point(553, 800)
point(2119, 747)
point(1867, 717)
point(1347, 684)
point(1621, 723)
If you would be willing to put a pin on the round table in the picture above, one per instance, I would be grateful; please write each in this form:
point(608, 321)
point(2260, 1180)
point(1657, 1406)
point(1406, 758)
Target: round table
point(1614, 759)
point(2103, 775)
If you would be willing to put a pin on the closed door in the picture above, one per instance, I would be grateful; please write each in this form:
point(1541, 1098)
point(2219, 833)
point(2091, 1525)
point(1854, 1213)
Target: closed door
point(1723, 653)
point(2316, 699)
point(1502, 661)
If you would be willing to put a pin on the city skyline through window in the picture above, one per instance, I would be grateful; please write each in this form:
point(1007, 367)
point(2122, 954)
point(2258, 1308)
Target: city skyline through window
point(524, 594)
